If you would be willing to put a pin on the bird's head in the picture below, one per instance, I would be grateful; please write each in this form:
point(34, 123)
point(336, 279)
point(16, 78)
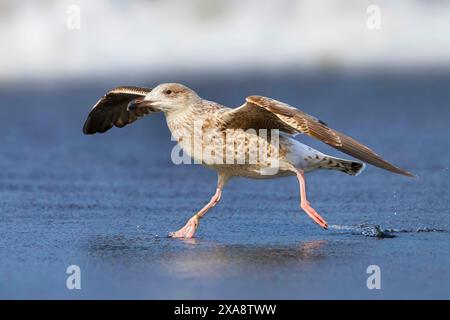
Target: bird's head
point(167, 97)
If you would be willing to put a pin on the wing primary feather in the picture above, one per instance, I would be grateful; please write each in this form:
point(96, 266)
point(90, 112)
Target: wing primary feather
point(354, 148)
point(290, 119)
point(111, 110)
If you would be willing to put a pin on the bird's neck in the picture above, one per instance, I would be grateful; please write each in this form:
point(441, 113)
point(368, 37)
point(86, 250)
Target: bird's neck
point(192, 116)
point(190, 124)
point(180, 121)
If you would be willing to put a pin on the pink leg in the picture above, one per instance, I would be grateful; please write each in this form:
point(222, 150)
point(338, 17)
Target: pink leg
point(304, 204)
point(189, 229)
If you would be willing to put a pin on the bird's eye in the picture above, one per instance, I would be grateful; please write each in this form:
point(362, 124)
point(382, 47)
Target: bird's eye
point(168, 92)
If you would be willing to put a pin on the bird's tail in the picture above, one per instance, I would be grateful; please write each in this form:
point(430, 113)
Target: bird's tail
point(350, 167)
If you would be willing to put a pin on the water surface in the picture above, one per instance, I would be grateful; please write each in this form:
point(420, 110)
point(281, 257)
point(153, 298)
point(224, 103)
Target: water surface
point(106, 202)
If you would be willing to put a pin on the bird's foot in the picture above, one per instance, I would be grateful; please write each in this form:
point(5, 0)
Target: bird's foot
point(188, 230)
point(314, 215)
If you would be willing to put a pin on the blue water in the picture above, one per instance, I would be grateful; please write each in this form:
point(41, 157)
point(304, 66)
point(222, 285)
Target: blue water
point(106, 202)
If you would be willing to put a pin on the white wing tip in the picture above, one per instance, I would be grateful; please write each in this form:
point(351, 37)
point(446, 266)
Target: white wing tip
point(363, 167)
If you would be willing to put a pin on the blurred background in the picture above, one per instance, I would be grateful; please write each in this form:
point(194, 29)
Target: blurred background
point(376, 70)
point(91, 39)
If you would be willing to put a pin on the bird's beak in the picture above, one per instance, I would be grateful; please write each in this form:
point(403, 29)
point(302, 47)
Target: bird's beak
point(139, 103)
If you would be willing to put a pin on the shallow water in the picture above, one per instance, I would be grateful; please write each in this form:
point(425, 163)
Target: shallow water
point(106, 202)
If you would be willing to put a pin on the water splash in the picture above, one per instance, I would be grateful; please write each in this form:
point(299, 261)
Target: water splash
point(375, 230)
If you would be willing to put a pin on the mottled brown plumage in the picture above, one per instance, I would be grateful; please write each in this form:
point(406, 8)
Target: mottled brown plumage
point(261, 112)
point(184, 110)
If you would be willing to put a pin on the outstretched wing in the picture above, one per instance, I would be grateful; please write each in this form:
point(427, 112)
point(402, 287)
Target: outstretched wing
point(266, 113)
point(111, 110)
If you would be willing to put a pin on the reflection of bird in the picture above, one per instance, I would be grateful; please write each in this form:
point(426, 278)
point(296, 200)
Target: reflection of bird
point(184, 109)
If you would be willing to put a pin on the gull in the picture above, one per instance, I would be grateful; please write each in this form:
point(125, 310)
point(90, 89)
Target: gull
point(184, 108)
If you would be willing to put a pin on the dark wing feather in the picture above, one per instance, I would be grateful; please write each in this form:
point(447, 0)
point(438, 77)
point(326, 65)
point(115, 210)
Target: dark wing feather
point(111, 110)
point(298, 121)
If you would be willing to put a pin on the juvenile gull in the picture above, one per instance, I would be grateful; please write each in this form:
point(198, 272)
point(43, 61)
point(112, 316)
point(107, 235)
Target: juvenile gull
point(183, 109)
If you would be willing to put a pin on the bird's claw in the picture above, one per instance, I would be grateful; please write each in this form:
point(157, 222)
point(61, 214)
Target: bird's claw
point(188, 231)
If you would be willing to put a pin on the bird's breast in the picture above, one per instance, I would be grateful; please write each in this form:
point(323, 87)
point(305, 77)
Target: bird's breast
point(240, 152)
